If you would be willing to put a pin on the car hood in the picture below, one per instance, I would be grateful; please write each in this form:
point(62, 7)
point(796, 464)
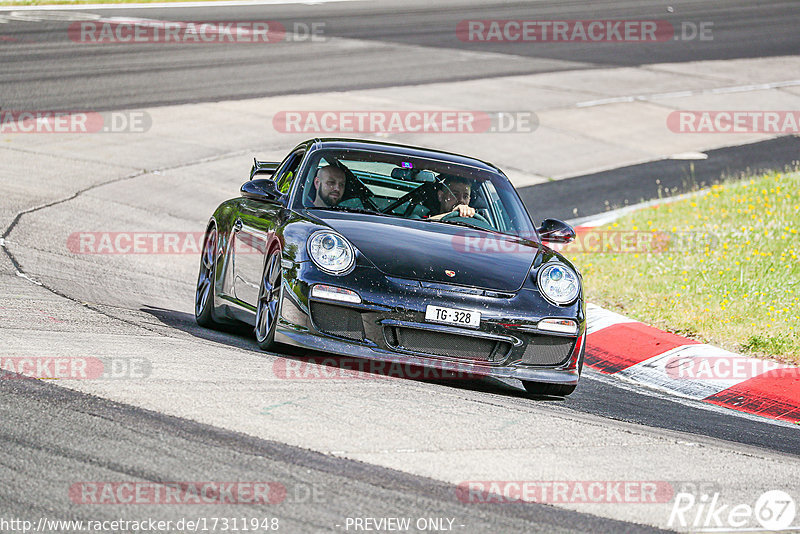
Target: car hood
point(427, 251)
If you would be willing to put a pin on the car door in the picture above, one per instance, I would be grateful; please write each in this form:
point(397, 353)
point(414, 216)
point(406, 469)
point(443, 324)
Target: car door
point(254, 229)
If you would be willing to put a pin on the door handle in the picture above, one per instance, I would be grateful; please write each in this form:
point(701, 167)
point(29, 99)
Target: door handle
point(237, 226)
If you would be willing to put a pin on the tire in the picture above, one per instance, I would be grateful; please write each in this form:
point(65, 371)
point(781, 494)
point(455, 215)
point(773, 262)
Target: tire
point(554, 390)
point(204, 294)
point(268, 305)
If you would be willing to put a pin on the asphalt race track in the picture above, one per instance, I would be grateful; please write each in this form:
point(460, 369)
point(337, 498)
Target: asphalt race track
point(211, 407)
point(396, 40)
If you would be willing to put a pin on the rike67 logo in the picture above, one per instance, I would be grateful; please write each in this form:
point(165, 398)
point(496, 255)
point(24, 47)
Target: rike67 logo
point(773, 510)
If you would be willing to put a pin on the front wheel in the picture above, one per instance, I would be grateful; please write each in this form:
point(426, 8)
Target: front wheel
point(269, 302)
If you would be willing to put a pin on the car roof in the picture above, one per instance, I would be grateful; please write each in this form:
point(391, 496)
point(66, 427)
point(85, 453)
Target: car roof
point(392, 148)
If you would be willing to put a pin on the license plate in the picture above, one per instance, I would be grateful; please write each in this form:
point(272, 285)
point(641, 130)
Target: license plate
point(437, 314)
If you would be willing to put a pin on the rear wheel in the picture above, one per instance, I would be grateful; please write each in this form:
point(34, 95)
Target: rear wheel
point(269, 302)
point(204, 296)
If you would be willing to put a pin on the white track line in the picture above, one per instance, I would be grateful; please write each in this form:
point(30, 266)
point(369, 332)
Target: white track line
point(684, 94)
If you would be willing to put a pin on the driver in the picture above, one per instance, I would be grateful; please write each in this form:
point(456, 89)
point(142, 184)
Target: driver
point(454, 195)
point(330, 182)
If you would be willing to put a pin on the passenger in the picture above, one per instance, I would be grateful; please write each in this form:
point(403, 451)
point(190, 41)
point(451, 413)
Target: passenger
point(330, 182)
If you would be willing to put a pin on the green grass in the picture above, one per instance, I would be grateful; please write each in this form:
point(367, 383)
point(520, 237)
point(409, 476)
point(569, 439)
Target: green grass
point(720, 267)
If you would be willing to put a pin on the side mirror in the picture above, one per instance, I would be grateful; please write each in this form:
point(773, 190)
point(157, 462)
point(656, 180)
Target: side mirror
point(262, 189)
point(555, 231)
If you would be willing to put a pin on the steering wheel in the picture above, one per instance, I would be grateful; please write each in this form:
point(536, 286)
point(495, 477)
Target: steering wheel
point(454, 215)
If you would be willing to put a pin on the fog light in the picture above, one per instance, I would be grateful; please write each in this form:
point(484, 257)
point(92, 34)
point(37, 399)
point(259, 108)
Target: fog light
point(335, 293)
point(562, 326)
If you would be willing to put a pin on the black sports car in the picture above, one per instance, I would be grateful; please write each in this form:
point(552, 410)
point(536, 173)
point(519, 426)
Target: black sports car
point(391, 252)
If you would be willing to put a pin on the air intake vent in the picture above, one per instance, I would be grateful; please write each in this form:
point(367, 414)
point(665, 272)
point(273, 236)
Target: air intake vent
point(448, 345)
point(337, 321)
point(547, 350)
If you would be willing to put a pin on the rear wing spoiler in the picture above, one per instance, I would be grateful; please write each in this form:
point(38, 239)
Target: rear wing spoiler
point(263, 169)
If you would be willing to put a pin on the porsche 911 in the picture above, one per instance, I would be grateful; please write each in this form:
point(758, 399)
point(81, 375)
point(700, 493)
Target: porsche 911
point(388, 252)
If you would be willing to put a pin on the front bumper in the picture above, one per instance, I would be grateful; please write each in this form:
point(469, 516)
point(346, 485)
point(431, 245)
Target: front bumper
point(391, 306)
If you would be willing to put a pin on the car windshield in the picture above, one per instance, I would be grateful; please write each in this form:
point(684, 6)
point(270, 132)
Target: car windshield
point(394, 185)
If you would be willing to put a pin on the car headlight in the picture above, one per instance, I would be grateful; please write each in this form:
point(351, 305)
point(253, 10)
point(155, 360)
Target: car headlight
point(558, 283)
point(331, 252)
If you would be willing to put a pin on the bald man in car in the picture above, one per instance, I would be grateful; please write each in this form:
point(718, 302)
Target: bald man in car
point(330, 182)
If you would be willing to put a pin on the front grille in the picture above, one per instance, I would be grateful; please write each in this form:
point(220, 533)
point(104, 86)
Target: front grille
point(337, 321)
point(547, 350)
point(466, 290)
point(449, 345)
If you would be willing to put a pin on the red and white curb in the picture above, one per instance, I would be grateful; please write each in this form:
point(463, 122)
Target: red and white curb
point(620, 346)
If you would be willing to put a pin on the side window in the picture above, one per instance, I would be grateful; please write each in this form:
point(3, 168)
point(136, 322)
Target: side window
point(288, 171)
